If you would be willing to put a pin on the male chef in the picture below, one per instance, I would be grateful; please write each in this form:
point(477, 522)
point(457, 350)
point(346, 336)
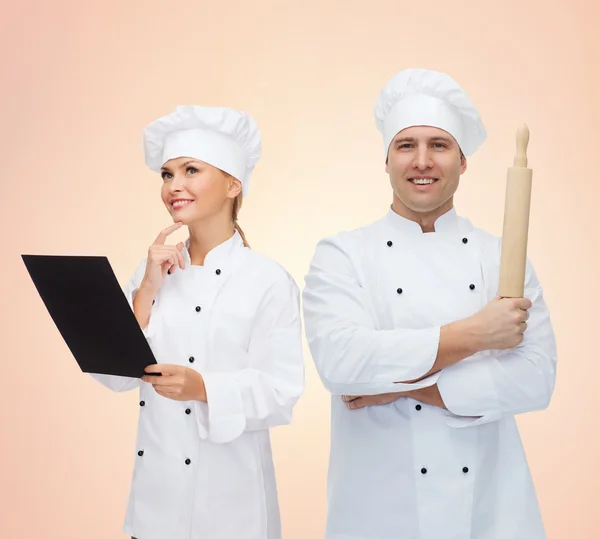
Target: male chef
point(427, 367)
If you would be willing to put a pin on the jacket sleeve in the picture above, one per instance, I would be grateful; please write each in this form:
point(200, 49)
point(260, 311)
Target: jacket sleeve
point(352, 355)
point(123, 383)
point(263, 394)
point(499, 383)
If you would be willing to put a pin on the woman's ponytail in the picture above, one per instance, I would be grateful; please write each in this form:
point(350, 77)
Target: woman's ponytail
point(237, 204)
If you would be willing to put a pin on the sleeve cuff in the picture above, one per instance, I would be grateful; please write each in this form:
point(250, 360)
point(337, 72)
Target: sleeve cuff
point(459, 422)
point(226, 419)
point(201, 413)
point(426, 348)
point(116, 383)
point(362, 389)
point(469, 392)
point(419, 352)
point(148, 331)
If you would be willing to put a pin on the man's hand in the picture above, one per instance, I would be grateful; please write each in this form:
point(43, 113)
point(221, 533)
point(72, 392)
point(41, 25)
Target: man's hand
point(427, 395)
point(177, 382)
point(501, 323)
point(354, 403)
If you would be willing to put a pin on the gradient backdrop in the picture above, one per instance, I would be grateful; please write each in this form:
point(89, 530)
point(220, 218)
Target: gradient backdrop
point(81, 80)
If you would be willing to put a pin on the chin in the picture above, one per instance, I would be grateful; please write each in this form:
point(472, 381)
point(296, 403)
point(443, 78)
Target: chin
point(181, 217)
point(426, 209)
point(187, 219)
point(421, 206)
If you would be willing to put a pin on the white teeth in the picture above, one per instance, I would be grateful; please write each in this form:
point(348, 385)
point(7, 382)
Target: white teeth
point(179, 203)
point(422, 181)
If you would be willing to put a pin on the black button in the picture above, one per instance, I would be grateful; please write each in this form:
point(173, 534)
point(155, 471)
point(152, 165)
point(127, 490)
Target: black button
point(142, 403)
point(418, 407)
point(389, 244)
point(423, 471)
point(140, 453)
point(191, 360)
point(399, 290)
point(188, 461)
point(465, 470)
point(465, 240)
point(218, 272)
point(188, 411)
point(198, 308)
point(472, 286)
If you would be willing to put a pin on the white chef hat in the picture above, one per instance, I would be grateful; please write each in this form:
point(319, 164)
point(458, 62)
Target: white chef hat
point(224, 138)
point(425, 97)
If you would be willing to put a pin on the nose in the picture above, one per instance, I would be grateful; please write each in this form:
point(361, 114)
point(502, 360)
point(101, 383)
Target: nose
point(422, 160)
point(176, 184)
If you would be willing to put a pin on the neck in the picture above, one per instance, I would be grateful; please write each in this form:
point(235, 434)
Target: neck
point(207, 234)
point(426, 219)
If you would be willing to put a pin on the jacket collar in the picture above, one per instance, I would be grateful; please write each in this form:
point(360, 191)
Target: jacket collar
point(218, 257)
point(448, 223)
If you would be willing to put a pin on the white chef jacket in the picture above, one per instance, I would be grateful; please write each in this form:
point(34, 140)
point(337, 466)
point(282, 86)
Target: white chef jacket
point(205, 470)
point(374, 302)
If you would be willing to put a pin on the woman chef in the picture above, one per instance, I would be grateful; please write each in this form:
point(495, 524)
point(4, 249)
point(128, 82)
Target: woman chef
point(224, 325)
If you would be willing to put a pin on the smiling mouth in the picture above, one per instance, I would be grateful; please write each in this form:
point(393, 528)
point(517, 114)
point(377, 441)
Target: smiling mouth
point(422, 181)
point(180, 203)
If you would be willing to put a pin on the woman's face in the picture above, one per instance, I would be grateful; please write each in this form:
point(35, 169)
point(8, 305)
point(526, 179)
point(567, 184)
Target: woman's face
point(193, 190)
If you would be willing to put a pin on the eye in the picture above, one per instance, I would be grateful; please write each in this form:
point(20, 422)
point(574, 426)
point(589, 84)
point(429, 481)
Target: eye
point(166, 175)
point(439, 145)
point(192, 170)
point(405, 146)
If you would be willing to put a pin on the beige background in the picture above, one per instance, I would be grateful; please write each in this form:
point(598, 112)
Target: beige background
point(81, 80)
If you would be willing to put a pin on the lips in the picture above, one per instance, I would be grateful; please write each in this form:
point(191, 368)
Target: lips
point(180, 203)
point(422, 181)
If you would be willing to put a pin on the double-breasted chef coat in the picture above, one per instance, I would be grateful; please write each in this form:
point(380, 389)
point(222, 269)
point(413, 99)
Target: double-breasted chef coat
point(205, 470)
point(374, 301)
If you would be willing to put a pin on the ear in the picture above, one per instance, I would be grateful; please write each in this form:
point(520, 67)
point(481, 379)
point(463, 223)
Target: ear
point(234, 188)
point(463, 163)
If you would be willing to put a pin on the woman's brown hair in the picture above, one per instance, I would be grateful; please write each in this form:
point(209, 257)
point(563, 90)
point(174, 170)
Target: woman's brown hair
point(237, 204)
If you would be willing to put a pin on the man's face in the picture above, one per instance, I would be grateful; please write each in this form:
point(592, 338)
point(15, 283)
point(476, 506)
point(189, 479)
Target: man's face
point(424, 164)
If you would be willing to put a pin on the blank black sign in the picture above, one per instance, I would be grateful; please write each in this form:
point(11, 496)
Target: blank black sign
point(91, 312)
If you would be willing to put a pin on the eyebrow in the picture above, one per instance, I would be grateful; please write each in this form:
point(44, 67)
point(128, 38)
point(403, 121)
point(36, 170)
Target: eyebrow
point(443, 139)
point(183, 165)
point(430, 139)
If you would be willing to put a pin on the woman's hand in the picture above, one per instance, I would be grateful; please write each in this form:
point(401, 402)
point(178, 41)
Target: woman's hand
point(177, 382)
point(162, 259)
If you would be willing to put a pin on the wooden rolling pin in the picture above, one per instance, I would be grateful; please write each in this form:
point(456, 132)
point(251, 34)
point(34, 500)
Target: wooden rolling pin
point(513, 258)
